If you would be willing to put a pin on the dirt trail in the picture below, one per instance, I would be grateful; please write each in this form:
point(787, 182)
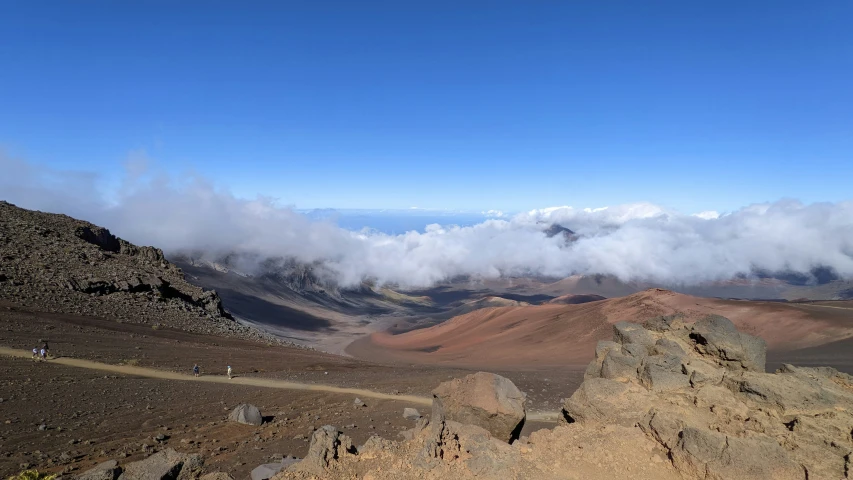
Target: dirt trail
point(250, 381)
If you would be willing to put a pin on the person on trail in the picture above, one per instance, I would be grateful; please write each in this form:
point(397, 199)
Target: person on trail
point(196, 370)
point(35, 353)
point(43, 354)
point(229, 372)
point(46, 348)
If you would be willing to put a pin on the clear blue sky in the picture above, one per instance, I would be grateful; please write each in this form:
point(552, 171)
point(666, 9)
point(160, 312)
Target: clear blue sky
point(474, 105)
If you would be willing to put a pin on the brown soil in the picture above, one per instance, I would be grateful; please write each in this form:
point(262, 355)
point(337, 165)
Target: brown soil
point(92, 415)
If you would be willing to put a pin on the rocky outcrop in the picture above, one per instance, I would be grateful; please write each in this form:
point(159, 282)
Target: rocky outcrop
point(246, 414)
point(700, 391)
point(675, 402)
point(58, 264)
point(484, 399)
point(327, 445)
point(718, 338)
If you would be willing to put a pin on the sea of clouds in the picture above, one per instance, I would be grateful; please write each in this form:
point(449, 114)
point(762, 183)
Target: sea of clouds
point(637, 242)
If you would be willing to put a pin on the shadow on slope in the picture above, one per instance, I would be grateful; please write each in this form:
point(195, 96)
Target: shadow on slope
point(253, 307)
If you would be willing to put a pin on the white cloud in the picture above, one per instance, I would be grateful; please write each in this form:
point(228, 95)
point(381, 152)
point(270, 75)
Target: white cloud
point(634, 242)
point(707, 215)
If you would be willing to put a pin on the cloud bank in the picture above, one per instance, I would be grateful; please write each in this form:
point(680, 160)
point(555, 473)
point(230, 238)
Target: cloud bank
point(637, 242)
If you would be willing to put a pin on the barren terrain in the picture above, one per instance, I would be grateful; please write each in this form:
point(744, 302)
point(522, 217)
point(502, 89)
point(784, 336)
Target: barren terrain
point(552, 335)
point(92, 415)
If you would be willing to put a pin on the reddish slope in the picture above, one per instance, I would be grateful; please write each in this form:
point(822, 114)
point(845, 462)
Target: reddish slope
point(573, 299)
point(561, 335)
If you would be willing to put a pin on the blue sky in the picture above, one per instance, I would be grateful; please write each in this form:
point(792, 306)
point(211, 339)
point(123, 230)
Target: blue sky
point(464, 105)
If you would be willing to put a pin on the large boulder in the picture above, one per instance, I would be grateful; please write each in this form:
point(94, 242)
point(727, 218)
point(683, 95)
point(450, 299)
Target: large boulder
point(484, 399)
point(164, 465)
point(717, 337)
point(246, 414)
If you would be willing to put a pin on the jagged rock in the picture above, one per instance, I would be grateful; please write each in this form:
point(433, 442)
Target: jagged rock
point(164, 465)
point(484, 399)
point(108, 470)
point(246, 414)
point(327, 445)
point(631, 333)
point(446, 441)
point(411, 414)
point(718, 337)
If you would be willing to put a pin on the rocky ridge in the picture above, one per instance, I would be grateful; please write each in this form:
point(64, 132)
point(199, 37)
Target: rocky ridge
point(55, 263)
point(662, 400)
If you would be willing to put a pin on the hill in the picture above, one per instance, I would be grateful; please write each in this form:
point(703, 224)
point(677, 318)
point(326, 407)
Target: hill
point(59, 264)
point(547, 335)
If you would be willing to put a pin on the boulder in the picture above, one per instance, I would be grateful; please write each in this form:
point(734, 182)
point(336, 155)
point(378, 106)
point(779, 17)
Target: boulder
point(327, 445)
point(631, 333)
point(108, 470)
point(717, 337)
point(164, 465)
point(483, 399)
point(600, 400)
point(246, 414)
point(411, 414)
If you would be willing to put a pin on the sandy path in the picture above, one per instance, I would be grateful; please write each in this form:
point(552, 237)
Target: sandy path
point(250, 381)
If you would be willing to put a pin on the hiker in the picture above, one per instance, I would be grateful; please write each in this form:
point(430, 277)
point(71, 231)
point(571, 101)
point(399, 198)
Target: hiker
point(45, 348)
point(196, 370)
point(229, 372)
point(35, 353)
point(43, 354)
